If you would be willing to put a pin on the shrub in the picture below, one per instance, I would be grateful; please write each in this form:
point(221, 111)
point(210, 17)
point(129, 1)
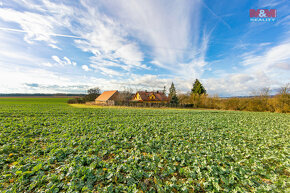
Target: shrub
point(280, 103)
point(76, 101)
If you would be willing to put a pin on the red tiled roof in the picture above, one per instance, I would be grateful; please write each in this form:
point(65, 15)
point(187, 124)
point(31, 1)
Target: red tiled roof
point(159, 96)
point(106, 95)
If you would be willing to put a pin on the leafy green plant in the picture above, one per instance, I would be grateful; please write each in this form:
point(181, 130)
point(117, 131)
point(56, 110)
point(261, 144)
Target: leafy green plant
point(53, 147)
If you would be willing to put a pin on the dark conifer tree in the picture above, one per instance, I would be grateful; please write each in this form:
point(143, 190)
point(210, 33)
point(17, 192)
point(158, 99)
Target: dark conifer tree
point(172, 94)
point(198, 88)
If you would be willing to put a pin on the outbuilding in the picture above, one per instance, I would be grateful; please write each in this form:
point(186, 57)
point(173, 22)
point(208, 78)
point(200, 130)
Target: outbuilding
point(107, 98)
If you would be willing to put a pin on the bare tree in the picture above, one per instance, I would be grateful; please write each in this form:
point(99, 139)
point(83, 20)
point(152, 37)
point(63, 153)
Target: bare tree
point(265, 92)
point(284, 90)
point(125, 95)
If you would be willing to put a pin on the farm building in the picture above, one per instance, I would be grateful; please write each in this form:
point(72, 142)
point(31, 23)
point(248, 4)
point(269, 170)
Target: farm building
point(153, 97)
point(107, 98)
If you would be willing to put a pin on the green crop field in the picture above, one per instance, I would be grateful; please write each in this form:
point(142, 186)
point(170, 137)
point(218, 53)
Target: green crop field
point(42, 100)
point(49, 146)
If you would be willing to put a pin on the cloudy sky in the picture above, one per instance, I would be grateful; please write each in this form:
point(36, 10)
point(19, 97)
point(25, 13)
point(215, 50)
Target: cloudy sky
point(53, 46)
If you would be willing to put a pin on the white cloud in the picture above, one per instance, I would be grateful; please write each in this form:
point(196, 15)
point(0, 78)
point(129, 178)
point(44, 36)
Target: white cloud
point(119, 40)
point(40, 22)
point(265, 44)
point(86, 68)
point(14, 52)
point(114, 41)
point(57, 59)
point(270, 3)
point(19, 66)
point(67, 60)
point(62, 62)
point(47, 64)
point(269, 69)
point(166, 30)
point(107, 40)
point(128, 55)
point(13, 78)
point(54, 46)
point(274, 56)
point(113, 38)
point(107, 71)
point(37, 26)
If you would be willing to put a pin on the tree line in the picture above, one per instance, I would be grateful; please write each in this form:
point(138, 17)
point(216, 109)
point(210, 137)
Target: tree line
point(198, 98)
point(197, 89)
point(260, 102)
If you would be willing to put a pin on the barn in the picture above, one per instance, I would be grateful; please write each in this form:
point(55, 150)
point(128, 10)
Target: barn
point(107, 98)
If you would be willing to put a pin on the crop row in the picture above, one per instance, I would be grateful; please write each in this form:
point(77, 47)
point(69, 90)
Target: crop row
point(57, 148)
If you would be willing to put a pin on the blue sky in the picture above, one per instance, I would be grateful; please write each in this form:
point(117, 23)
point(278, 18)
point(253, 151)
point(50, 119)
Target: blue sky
point(51, 46)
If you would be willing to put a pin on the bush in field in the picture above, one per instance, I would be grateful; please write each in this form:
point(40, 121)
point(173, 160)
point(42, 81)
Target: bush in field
point(184, 99)
point(231, 104)
point(281, 102)
point(196, 100)
point(260, 103)
point(76, 101)
point(213, 102)
point(256, 104)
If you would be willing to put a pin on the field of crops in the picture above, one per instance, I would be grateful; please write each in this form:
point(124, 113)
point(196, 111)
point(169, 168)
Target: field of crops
point(58, 148)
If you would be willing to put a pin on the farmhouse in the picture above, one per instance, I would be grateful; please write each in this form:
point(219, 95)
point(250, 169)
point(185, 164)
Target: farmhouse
point(151, 97)
point(107, 98)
